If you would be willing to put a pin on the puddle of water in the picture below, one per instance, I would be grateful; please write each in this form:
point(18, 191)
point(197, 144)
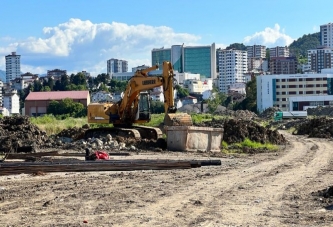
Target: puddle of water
point(330, 207)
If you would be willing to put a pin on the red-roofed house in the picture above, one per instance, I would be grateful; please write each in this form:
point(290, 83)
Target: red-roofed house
point(36, 103)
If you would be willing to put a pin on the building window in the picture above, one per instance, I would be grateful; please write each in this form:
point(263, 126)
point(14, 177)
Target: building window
point(277, 80)
point(292, 86)
point(283, 93)
point(283, 86)
point(309, 92)
point(291, 80)
point(309, 85)
point(283, 105)
point(292, 92)
point(277, 86)
point(283, 99)
point(300, 92)
point(309, 79)
point(283, 80)
point(300, 79)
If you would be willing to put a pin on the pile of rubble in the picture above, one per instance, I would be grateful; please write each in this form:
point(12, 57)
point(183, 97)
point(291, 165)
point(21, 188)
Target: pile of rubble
point(244, 114)
point(17, 134)
point(236, 130)
point(321, 111)
point(269, 113)
point(321, 127)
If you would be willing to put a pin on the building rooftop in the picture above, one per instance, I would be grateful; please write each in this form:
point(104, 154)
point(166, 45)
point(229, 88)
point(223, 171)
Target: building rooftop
point(57, 95)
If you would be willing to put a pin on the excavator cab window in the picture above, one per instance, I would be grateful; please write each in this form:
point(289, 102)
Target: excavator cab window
point(144, 107)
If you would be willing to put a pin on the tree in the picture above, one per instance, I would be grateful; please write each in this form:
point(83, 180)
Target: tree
point(181, 92)
point(37, 85)
point(250, 102)
point(217, 98)
point(236, 46)
point(78, 79)
point(66, 107)
point(156, 107)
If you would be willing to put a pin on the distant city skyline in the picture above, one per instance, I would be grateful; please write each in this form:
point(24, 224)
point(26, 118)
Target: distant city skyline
point(62, 34)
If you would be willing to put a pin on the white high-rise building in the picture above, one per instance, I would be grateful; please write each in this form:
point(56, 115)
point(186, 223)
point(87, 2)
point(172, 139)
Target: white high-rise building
point(11, 101)
point(232, 66)
point(1, 99)
point(279, 51)
point(326, 35)
point(13, 66)
point(256, 51)
point(116, 66)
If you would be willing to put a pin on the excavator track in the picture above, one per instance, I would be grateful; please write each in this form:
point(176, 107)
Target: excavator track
point(135, 132)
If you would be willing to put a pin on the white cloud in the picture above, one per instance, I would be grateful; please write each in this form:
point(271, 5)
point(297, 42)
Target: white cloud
point(82, 45)
point(315, 28)
point(269, 37)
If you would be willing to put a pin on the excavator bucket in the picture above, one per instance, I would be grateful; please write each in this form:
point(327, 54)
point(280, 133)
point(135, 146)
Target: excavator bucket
point(178, 119)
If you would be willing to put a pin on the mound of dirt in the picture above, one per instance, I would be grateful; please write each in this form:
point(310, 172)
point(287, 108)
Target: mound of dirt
point(268, 113)
point(17, 134)
point(317, 127)
point(321, 111)
point(74, 133)
point(236, 131)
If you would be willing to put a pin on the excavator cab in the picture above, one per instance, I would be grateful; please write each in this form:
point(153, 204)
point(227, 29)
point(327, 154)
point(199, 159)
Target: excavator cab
point(144, 107)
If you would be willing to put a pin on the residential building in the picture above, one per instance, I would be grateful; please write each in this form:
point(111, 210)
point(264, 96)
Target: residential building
point(283, 65)
point(320, 58)
point(280, 90)
point(257, 64)
point(23, 81)
point(36, 103)
point(11, 101)
point(232, 67)
point(13, 66)
point(326, 35)
point(157, 94)
point(198, 86)
point(4, 111)
point(237, 88)
point(56, 73)
point(1, 91)
point(101, 96)
point(188, 59)
point(256, 51)
point(279, 51)
point(116, 66)
point(141, 67)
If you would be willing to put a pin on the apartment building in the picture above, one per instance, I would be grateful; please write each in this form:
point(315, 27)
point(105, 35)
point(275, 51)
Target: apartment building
point(283, 65)
point(257, 64)
point(320, 58)
point(56, 73)
point(188, 59)
point(116, 66)
point(13, 66)
point(256, 51)
point(1, 89)
point(232, 67)
point(293, 92)
point(279, 51)
point(326, 35)
point(11, 101)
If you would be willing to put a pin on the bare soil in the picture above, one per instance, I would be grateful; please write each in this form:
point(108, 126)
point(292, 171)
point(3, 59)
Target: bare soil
point(268, 189)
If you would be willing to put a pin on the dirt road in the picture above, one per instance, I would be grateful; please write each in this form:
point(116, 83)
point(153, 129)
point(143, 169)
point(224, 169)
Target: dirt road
point(273, 189)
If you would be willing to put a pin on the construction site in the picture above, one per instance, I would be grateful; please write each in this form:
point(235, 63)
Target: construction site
point(185, 178)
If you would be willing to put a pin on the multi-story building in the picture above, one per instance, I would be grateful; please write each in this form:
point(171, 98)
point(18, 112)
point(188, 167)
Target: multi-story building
point(1, 89)
point(294, 91)
point(232, 67)
point(283, 65)
point(56, 73)
point(116, 66)
point(188, 59)
point(256, 51)
point(141, 67)
point(13, 66)
point(11, 101)
point(279, 51)
point(320, 58)
point(257, 64)
point(326, 35)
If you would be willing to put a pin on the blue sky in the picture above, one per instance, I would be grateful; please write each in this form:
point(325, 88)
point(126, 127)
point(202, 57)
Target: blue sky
point(81, 35)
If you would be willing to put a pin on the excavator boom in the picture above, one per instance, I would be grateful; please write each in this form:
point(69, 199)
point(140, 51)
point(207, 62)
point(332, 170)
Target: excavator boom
point(134, 107)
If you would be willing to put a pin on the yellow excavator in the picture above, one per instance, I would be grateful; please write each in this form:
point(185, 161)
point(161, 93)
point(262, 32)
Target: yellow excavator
point(134, 107)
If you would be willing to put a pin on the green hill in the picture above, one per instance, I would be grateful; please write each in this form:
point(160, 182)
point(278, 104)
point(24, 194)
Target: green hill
point(305, 43)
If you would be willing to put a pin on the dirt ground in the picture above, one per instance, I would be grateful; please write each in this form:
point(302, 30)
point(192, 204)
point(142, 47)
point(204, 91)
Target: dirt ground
point(271, 189)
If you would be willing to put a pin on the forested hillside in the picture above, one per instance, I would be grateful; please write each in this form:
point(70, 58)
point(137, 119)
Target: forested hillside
point(305, 43)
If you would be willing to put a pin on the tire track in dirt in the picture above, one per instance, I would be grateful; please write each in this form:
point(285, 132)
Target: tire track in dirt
point(214, 193)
